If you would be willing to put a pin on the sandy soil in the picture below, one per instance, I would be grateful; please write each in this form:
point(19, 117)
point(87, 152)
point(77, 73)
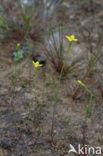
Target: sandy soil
point(19, 139)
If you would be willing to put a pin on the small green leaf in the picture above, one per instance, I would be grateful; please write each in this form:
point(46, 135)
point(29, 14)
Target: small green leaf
point(18, 55)
point(2, 26)
point(92, 69)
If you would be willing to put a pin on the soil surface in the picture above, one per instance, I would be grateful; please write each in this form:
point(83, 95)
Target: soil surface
point(25, 121)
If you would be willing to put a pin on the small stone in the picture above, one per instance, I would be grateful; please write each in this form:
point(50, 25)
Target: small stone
point(18, 89)
point(27, 95)
point(55, 131)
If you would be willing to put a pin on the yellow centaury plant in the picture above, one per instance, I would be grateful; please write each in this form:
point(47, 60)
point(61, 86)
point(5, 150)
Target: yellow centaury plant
point(71, 38)
point(36, 64)
point(56, 88)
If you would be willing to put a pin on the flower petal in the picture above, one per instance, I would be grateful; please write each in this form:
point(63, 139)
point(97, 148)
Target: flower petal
point(36, 64)
point(71, 38)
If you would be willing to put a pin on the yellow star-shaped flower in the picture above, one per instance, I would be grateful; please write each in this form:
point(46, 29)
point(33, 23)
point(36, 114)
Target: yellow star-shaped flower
point(36, 64)
point(71, 38)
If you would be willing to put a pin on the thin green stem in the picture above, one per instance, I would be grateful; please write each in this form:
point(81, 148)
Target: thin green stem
point(65, 60)
point(29, 65)
point(15, 75)
point(15, 118)
point(35, 95)
point(56, 90)
point(29, 110)
point(43, 92)
point(35, 84)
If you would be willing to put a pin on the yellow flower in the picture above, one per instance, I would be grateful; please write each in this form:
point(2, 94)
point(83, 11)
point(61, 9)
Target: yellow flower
point(71, 38)
point(36, 64)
